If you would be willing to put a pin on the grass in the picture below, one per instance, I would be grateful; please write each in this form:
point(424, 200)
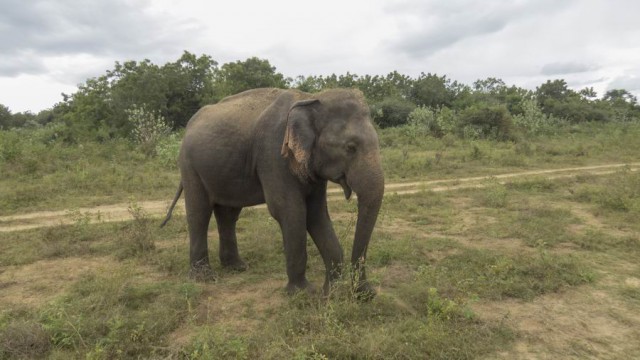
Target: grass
point(41, 173)
point(144, 306)
point(460, 274)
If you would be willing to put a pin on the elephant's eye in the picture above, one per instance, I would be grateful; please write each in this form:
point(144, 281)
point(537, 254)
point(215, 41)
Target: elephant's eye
point(351, 148)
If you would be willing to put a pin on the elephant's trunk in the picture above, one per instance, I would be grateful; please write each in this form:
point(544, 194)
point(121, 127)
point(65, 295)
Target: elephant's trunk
point(367, 181)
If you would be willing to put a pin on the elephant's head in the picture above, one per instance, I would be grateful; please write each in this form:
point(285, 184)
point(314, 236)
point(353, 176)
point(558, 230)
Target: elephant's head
point(331, 137)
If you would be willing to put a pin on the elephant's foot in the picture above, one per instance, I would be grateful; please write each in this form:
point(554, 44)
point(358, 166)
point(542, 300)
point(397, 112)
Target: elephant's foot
point(202, 273)
point(293, 288)
point(235, 265)
point(363, 291)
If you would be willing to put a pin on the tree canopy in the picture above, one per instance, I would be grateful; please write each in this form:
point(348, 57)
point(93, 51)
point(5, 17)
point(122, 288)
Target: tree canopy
point(176, 90)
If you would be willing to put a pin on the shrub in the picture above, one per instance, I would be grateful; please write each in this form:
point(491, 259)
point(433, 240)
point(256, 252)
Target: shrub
point(148, 128)
point(436, 122)
point(533, 120)
point(486, 122)
point(168, 148)
point(392, 111)
point(10, 146)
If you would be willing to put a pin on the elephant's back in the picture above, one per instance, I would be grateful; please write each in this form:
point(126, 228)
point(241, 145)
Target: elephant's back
point(220, 135)
point(240, 109)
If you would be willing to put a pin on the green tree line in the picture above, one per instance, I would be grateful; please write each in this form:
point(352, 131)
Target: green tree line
point(101, 108)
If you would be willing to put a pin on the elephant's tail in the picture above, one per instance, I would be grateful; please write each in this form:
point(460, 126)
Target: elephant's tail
point(173, 204)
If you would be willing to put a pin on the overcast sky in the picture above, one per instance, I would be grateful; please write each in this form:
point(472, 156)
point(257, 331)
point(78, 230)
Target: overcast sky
point(49, 47)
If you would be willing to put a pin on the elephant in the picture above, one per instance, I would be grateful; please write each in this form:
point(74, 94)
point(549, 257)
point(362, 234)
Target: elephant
point(281, 147)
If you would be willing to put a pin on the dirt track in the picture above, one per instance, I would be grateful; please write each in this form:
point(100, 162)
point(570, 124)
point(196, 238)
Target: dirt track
point(120, 212)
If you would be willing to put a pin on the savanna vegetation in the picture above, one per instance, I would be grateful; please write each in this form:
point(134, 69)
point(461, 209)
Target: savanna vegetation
point(530, 268)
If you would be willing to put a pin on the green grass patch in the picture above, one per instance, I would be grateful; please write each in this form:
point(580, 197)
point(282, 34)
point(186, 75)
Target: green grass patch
point(117, 315)
point(490, 275)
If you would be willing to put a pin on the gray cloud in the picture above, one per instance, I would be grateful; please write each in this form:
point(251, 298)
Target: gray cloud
point(74, 27)
point(438, 25)
point(21, 63)
point(630, 83)
point(563, 68)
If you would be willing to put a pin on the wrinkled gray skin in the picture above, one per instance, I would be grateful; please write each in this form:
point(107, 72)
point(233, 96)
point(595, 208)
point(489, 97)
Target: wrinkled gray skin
point(280, 147)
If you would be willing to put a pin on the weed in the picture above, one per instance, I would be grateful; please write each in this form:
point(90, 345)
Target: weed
point(213, 343)
point(137, 239)
point(494, 195)
point(23, 340)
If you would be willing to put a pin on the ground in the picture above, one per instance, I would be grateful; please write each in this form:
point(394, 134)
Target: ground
point(526, 265)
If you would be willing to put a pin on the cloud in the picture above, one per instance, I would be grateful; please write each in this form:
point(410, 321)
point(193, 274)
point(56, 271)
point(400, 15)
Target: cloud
point(21, 63)
point(118, 28)
point(630, 83)
point(562, 68)
point(430, 26)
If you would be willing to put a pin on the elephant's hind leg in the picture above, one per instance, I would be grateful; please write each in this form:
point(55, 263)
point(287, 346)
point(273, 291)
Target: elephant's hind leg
point(227, 218)
point(198, 217)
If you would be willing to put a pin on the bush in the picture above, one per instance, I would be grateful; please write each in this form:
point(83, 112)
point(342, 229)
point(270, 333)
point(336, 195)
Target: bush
point(436, 122)
point(392, 111)
point(486, 122)
point(534, 121)
point(167, 150)
point(148, 128)
point(11, 146)
point(575, 111)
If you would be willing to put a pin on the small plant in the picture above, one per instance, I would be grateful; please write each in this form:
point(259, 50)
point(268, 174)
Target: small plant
point(148, 128)
point(138, 239)
point(495, 195)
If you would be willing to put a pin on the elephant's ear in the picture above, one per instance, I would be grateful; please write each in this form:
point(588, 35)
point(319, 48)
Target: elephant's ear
point(299, 137)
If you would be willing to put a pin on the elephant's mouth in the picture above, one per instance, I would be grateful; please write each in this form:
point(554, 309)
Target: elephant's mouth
point(345, 187)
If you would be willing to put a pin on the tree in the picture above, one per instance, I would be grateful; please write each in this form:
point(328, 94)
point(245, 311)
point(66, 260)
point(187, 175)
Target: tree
point(239, 76)
point(555, 98)
point(620, 96)
point(189, 86)
point(5, 118)
point(622, 104)
point(489, 85)
point(135, 84)
point(310, 84)
point(556, 90)
point(588, 93)
point(433, 91)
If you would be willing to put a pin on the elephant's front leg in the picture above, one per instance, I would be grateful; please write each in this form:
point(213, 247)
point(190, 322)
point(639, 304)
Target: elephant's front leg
point(291, 215)
point(321, 230)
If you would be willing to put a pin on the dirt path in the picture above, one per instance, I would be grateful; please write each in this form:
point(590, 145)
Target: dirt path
point(121, 212)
